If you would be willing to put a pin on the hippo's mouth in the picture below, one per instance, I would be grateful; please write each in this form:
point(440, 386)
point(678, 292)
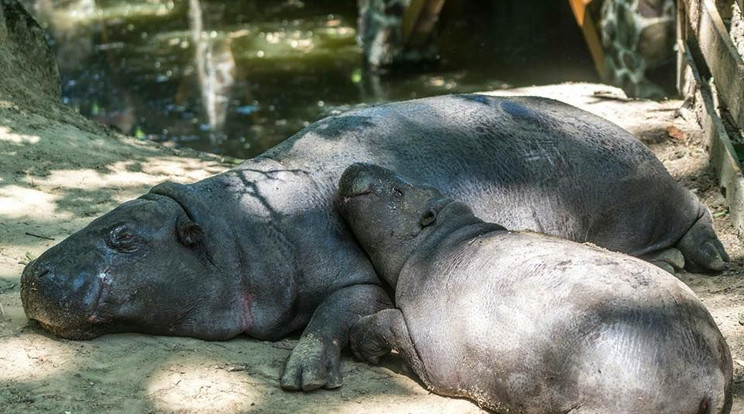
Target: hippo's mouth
point(94, 316)
point(75, 316)
point(70, 333)
point(345, 199)
point(86, 330)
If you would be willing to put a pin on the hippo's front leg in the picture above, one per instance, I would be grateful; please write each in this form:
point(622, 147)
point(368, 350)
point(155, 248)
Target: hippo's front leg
point(376, 335)
point(316, 360)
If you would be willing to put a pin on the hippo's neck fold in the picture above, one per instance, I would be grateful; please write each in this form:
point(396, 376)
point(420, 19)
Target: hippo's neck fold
point(454, 224)
point(245, 214)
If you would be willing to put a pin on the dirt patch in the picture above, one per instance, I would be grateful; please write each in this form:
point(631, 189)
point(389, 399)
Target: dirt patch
point(58, 171)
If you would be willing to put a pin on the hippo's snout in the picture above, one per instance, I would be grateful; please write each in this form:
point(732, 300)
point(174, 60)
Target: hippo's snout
point(356, 181)
point(60, 302)
point(361, 179)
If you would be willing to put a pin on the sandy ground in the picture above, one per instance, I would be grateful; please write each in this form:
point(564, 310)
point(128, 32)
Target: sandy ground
point(59, 171)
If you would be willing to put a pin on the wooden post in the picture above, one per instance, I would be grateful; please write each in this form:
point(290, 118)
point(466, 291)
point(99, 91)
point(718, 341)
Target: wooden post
point(419, 21)
point(591, 34)
point(681, 34)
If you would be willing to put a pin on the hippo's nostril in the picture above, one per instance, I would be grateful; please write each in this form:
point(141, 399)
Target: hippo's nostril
point(38, 272)
point(34, 271)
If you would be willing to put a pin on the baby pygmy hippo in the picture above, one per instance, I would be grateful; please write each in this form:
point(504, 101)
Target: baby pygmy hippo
point(523, 322)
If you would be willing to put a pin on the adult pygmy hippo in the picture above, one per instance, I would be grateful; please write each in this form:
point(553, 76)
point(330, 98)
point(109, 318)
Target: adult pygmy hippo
point(260, 250)
point(523, 322)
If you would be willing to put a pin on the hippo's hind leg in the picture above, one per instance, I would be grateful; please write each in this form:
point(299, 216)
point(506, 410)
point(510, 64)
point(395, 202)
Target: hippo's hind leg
point(702, 250)
point(670, 259)
point(376, 335)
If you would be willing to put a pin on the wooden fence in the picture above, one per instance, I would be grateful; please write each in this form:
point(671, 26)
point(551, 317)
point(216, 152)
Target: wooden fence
point(710, 74)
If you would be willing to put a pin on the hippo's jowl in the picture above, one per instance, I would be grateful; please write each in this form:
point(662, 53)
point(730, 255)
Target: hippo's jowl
point(523, 322)
point(259, 249)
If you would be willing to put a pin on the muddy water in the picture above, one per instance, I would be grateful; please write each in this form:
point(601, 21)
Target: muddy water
point(238, 77)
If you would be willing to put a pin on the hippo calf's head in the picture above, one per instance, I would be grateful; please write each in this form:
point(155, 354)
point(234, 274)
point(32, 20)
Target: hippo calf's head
point(130, 269)
point(389, 215)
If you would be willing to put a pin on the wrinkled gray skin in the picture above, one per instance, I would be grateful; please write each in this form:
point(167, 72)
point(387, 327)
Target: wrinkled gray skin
point(260, 250)
point(524, 322)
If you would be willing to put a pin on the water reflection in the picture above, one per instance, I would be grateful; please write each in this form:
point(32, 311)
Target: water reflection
point(215, 67)
point(239, 77)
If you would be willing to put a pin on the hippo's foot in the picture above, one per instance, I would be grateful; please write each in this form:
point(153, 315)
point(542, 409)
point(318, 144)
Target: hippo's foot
point(703, 252)
point(366, 342)
point(374, 336)
point(314, 363)
point(670, 259)
point(316, 360)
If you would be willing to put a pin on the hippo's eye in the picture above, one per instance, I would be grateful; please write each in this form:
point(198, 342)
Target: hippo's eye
point(123, 239)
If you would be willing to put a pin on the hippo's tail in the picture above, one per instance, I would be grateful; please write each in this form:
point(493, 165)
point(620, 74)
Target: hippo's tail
point(709, 407)
point(719, 397)
point(701, 247)
point(720, 405)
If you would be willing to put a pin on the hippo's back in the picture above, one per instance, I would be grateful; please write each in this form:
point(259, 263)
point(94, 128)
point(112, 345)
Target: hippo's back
point(524, 162)
point(538, 321)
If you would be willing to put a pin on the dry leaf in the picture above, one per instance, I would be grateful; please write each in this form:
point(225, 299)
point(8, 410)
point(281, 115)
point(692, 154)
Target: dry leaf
point(676, 133)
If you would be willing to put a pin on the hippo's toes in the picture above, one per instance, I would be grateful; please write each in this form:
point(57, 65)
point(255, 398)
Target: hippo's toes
point(365, 343)
point(702, 250)
point(313, 364)
point(670, 259)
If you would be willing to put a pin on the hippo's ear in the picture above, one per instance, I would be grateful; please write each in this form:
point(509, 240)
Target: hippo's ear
point(427, 218)
point(189, 233)
point(432, 211)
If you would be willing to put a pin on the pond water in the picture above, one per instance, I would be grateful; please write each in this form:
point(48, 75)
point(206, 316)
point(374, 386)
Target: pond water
point(237, 77)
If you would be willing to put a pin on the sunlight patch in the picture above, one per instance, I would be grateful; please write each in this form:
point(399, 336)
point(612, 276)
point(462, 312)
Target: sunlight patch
point(31, 357)
point(201, 386)
point(6, 135)
point(92, 179)
point(129, 174)
point(21, 202)
point(182, 169)
point(87, 12)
